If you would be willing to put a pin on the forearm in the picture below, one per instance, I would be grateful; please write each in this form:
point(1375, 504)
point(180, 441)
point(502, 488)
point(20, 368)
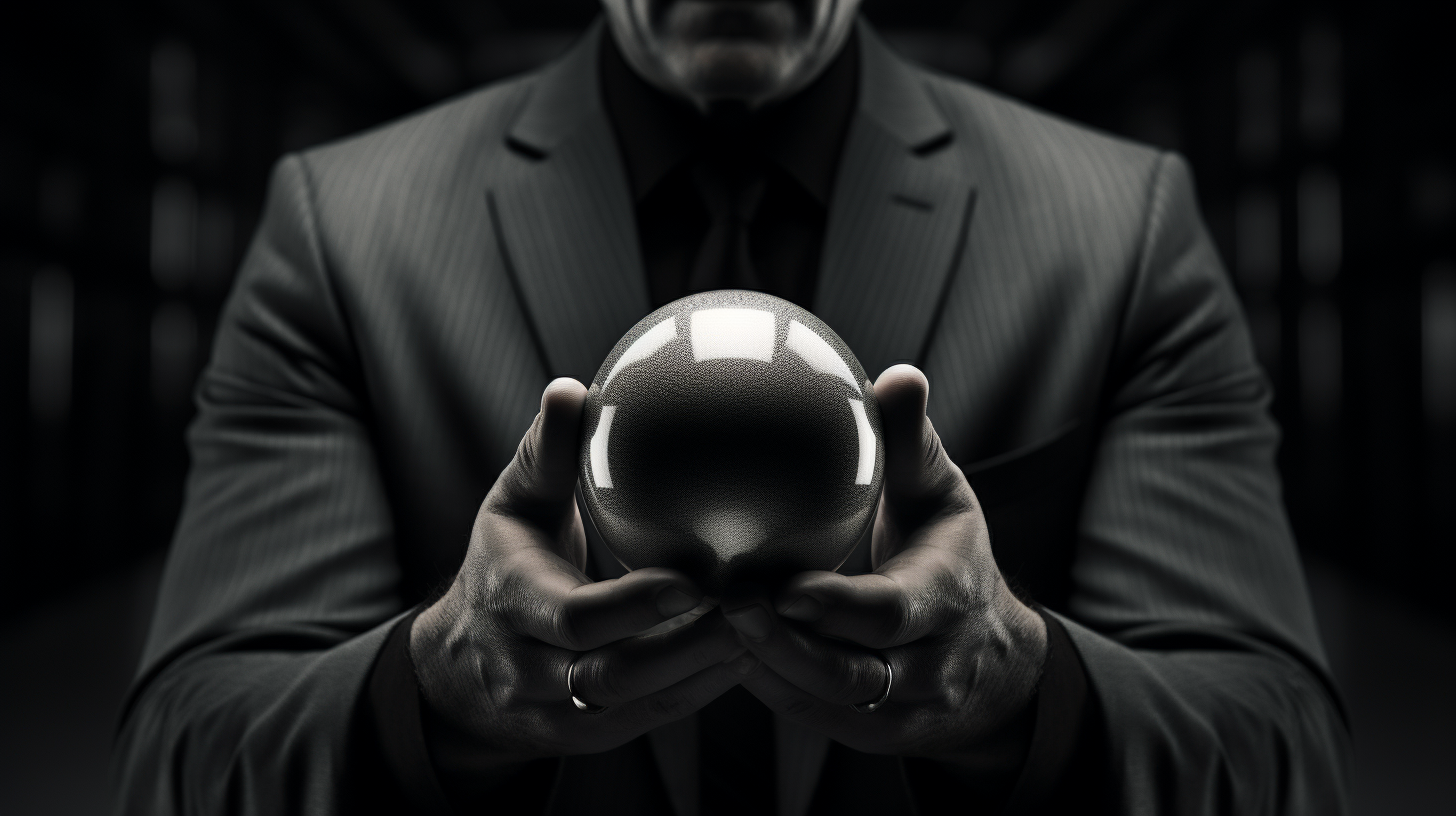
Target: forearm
point(1186, 729)
point(255, 732)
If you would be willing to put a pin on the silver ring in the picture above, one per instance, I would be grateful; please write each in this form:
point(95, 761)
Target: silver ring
point(869, 708)
point(581, 705)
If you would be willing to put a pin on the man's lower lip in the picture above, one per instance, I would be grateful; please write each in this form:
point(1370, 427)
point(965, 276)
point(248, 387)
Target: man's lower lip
point(662, 4)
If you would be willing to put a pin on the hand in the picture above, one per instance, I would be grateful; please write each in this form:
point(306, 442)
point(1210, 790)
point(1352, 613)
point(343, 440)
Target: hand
point(966, 653)
point(492, 655)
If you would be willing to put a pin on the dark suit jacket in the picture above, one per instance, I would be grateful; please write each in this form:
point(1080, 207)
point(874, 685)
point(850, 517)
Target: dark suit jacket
point(411, 290)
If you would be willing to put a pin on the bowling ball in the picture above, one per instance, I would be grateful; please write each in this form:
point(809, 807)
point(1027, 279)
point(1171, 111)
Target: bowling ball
point(733, 436)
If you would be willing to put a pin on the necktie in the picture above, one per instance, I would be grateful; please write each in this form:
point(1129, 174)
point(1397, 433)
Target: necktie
point(736, 754)
point(731, 191)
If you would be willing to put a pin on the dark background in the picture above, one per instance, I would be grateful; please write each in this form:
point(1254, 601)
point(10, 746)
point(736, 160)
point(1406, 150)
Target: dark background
point(137, 138)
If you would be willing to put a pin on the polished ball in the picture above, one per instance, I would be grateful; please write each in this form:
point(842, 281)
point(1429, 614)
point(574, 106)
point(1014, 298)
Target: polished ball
point(733, 436)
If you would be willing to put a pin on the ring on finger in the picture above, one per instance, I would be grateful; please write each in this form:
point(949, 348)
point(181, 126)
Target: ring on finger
point(582, 705)
point(869, 708)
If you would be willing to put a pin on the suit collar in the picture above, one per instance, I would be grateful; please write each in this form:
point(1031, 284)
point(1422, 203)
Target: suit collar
point(894, 95)
point(564, 97)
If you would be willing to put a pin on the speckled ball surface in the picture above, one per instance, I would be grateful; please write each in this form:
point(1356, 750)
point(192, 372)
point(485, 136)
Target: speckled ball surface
point(731, 435)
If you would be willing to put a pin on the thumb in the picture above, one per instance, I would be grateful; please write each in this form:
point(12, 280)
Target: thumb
point(542, 477)
point(916, 467)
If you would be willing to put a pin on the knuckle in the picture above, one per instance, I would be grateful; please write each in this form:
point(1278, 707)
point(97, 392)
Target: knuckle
point(562, 621)
point(564, 626)
point(502, 682)
point(896, 621)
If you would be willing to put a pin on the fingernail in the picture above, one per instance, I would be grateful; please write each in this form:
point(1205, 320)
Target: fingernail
point(672, 602)
point(751, 620)
point(744, 664)
point(806, 608)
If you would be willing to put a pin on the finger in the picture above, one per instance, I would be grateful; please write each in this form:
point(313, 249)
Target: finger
point(878, 610)
point(639, 666)
point(682, 698)
point(541, 479)
point(916, 466)
point(832, 671)
point(555, 607)
point(838, 722)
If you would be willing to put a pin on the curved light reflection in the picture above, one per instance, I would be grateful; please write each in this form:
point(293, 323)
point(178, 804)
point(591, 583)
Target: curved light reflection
point(817, 352)
point(645, 346)
point(866, 472)
point(601, 472)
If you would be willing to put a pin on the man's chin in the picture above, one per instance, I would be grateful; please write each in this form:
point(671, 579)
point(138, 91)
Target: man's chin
point(749, 73)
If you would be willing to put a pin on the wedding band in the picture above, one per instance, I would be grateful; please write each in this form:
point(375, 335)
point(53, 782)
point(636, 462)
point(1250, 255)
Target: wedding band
point(868, 708)
point(581, 704)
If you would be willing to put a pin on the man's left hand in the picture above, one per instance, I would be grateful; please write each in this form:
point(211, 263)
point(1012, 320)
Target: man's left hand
point(965, 652)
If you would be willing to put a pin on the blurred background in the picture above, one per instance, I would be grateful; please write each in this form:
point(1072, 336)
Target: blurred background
point(138, 136)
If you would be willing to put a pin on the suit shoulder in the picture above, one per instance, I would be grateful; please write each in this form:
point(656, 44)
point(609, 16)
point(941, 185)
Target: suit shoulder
point(1042, 148)
point(449, 139)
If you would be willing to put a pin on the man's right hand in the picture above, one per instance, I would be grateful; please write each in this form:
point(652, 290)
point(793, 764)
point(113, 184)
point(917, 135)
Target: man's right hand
point(492, 655)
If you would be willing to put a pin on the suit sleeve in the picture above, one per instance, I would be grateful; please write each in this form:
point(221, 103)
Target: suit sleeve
point(281, 587)
point(1189, 608)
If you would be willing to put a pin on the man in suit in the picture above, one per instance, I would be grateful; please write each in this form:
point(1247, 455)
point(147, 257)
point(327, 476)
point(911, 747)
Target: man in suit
point(1100, 441)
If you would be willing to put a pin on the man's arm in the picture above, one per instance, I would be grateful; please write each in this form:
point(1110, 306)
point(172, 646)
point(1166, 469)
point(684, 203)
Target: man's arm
point(1189, 622)
point(281, 585)
point(1189, 608)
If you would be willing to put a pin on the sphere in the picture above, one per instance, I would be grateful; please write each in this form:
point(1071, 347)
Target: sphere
point(733, 436)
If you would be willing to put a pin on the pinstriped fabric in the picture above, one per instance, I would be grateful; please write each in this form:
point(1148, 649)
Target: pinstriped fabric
point(1189, 454)
point(373, 373)
point(894, 229)
point(451, 393)
point(1090, 297)
point(586, 292)
point(1026, 340)
point(566, 220)
point(897, 219)
point(390, 333)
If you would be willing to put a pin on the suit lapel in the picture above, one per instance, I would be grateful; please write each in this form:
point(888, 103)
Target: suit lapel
point(560, 203)
point(901, 209)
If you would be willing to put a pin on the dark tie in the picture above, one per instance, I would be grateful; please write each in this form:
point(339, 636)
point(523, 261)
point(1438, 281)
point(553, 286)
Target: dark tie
point(737, 756)
point(731, 190)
